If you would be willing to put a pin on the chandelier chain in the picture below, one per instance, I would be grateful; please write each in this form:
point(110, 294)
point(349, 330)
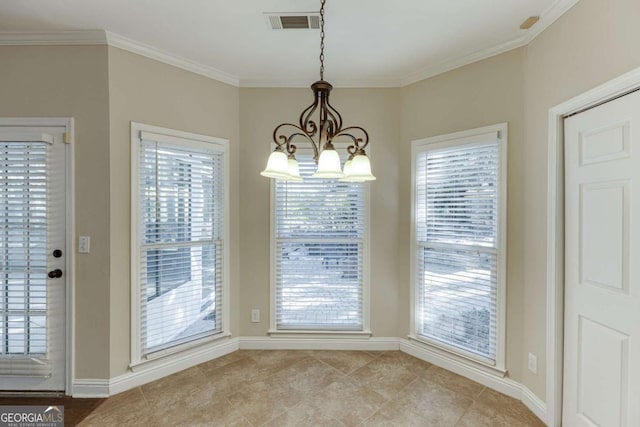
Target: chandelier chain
point(322, 40)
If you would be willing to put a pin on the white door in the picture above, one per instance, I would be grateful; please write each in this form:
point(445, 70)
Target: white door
point(602, 266)
point(32, 257)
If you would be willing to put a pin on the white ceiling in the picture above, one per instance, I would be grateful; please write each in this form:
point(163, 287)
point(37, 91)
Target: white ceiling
point(368, 42)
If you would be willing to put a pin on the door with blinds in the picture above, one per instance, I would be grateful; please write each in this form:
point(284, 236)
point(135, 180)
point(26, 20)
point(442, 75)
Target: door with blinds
point(32, 257)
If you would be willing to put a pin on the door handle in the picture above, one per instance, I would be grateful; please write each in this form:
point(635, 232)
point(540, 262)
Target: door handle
point(54, 274)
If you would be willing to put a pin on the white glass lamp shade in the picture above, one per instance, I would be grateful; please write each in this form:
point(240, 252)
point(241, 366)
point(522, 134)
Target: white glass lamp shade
point(347, 172)
point(328, 165)
point(347, 168)
point(294, 170)
point(277, 166)
point(360, 169)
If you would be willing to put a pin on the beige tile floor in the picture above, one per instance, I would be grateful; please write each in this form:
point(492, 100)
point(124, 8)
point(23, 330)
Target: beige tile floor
point(313, 388)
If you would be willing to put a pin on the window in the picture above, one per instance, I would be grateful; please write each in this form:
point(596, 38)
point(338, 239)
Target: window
point(459, 202)
point(178, 228)
point(320, 245)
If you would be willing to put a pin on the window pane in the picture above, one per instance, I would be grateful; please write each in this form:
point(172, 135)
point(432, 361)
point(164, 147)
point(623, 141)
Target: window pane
point(320, 285)
point(458, 299)
point(181, 305)
point(461, 195)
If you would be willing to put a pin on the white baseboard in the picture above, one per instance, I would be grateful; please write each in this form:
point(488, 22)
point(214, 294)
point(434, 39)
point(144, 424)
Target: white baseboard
point(171, 365)
point(534, 403)
point(477, 374)
point(485, 377)
point(90, 388)
point(318, 343)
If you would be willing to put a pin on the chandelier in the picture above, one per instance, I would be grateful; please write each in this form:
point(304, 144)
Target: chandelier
point(282, 163)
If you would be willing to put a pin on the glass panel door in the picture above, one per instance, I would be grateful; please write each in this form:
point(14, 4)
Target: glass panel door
point(32, 258)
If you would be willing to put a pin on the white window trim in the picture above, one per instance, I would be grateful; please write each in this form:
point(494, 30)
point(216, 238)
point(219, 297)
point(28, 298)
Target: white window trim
point(137, 360)
point(366, 280)
point(442, 141)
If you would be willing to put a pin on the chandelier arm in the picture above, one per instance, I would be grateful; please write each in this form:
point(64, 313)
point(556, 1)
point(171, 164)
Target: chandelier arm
point(351, 149)
point(346, 132)
point(308, 125)
point(337, 118)
point(286, 140)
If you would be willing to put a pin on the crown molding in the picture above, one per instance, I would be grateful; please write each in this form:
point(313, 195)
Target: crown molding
point(266, 82)
point(454, 62)
point(101, 37)
point(53, 38)
point(548, 17)
point(133, 46)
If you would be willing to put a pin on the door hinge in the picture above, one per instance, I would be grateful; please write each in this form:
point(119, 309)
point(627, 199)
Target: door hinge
point(67, 138)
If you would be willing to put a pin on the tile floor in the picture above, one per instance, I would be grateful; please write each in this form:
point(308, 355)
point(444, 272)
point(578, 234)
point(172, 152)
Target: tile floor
point(312, 388)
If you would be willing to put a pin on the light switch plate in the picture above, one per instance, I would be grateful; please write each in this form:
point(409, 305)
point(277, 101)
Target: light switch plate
point(84, 244)
point(255, 315)
point(533, 363)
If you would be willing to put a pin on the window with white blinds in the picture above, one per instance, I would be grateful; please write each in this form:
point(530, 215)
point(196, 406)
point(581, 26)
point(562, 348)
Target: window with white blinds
point(23, 254)
point(320, 233)
point(459, 243)
point(180, 254)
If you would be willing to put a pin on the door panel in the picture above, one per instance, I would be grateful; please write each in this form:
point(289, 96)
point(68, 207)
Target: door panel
point(602, 280)
point(604, 234)
point(32, 226)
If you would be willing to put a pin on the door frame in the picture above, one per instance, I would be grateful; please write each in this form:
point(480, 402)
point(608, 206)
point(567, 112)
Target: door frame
point(68, 124)
point(608, 91)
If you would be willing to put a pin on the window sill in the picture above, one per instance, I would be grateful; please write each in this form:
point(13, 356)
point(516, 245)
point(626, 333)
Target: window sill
point(453, 357)
point(319, 334)
point(179, 352)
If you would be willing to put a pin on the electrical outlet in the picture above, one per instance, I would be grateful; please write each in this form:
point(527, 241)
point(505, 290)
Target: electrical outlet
point(255, 315)
point(533, 363)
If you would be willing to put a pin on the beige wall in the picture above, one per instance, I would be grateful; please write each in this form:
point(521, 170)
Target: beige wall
point(71, 81)
point(594, 42)
point(480, 94)
point(378, 111)
point(146, 91)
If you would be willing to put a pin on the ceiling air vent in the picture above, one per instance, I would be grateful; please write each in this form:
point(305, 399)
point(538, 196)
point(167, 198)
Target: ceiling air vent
point(293, 20)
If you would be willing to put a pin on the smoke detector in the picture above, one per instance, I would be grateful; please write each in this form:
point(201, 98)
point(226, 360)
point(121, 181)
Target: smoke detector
point(293, 20)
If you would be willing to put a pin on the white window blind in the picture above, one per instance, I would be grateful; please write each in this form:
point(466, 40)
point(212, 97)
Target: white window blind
point(457, 214)
point(181, 226)
point(23, 258)
point(319, 241)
